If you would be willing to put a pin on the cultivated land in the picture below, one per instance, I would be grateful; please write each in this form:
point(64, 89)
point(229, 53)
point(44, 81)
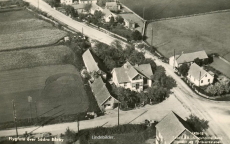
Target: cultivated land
point(19, 29)
point(206, 32)
point(156, 9)
point(221, 66)
point(17, 59)
point(49, 86)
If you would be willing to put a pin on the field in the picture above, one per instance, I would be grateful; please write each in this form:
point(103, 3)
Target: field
point(32, 31)
point(206, 32)
point(156, 9)
point(49, 86)
point(36, 57)
point(221, 66)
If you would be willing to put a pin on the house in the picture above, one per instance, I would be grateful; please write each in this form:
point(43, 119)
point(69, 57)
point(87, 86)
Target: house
point(108, 14)
point(129, 24)
point(92, 63)
point(113, 6)
point(87, 1)
point(172, 129)
point(94, 8)
point(186, 58)
point(67, 2)
point(135, 78)
point(198, 76)
point(103, 97)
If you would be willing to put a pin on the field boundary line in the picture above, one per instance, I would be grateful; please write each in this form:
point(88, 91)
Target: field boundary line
point(224, 60)
point(192, 15)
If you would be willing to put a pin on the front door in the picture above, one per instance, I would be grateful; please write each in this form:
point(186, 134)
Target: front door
point(137, 86)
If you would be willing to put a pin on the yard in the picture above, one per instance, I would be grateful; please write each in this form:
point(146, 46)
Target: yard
point(206, 32)
point(157, 9)
point(10, 60)
point(19, 29)
point(49, 86)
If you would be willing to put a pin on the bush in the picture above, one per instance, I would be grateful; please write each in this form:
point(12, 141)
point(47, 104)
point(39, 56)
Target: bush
point(197, 124)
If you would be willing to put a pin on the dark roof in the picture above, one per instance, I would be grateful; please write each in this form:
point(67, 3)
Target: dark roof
point(92, 62)
point(189, 57)
point(127, 72)
point(171, 126)
point(100, 91)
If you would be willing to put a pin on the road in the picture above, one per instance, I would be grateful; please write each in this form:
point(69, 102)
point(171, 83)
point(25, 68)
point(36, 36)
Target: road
point(88, 31)
point(184, 101)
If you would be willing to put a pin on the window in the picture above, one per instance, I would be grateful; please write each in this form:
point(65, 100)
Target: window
point(201, 81)
point(208, 80)
point(206, 75)
point(125, 84)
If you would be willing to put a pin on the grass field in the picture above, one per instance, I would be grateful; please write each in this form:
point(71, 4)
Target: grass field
point(207, 32)
point(26, 31)
point(221, 66)
point(35, 57)
point(64, 89)
point(156, 9)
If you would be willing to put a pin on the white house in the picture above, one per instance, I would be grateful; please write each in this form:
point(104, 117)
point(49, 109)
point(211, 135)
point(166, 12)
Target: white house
point(129, 24)
point(135, 78)
point(108, 14)
point(186, 58)
point(87, 1)
point(113, 6)
point(102, 95)
point(94, 8)
point(198, 76)
point(67, 2)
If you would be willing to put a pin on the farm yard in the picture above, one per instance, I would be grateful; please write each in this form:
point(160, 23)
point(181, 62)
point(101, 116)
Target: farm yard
point(205, 32)
point(157, 9)
point(32, 31)
point(49, 86)
point(10, 60)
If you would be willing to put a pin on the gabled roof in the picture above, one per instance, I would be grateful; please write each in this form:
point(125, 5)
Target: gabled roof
point(196, 71)
point(100, 91)
point(111, 4)
point(107, 12)
point(189, 57)
point(96, 7)
point(171, 126)
point(92, 62)
point(127, 72)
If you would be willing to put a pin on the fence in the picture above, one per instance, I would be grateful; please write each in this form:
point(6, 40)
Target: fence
point(223, 59)
point(193, 15)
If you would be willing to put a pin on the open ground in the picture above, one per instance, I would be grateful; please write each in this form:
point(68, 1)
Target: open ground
point(157, 9)
point(49, 86)
point(205, 32)
point(19, 29)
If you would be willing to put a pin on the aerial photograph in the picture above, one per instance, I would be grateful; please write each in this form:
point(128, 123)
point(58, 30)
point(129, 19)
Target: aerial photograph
point(114, 71)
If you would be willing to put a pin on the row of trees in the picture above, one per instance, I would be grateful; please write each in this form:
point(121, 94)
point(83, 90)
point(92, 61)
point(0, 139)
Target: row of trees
point(218, 88)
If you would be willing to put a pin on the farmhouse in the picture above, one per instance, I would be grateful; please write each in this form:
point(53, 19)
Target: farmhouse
point(129, 24)
point(113, 6)
point(172, 129)
point(108, 15)
point(67, 2)
point(198, 76)
point(93, 64)
point(104, 99)
point(87, 1)
point(186, 58)
point(135, 78)
point(94, 8)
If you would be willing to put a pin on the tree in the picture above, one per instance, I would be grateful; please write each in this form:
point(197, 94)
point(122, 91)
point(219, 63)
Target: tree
point(183, 69)
point(157, 93)
point(197, 124)
point(136, 58)
point(212, 90)
point(136, 35)
point(70, 11)
point(111, 21)
point(119, 19)
point(198, 61)
point(70, 136)
point(220, 88)
point(87, 7)
point(98, 14)
point(158, 74)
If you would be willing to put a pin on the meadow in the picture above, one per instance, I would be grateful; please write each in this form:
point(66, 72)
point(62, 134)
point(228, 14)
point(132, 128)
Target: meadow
point(205, 32)
point(25, 58)
point(157, 9)
point(26, 31)
point(51, 86)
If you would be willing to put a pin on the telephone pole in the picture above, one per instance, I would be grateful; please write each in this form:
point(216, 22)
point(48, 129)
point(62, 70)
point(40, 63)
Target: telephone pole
point(36, 111)
point(152, 36)
point(15, 119)
point(118, 118)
